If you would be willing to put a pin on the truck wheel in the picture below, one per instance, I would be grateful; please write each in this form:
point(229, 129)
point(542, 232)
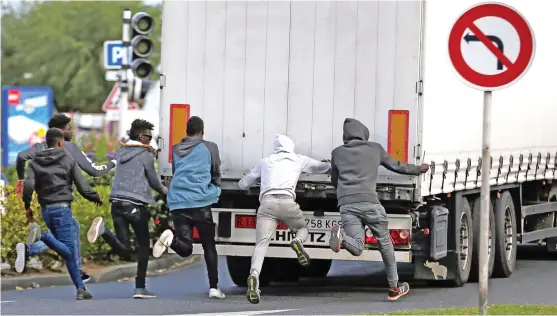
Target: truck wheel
point(474, 271)
point(238, 268)
point(317, 269)
point(505, 236)
point(465, 237)
point(285, 270)
point(550, 243)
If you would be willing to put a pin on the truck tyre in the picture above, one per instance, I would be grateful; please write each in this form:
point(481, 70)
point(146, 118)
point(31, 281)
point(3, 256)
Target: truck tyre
point(465, 237)
point(505, 236)
point(238, 268)
point(550, 243)
point(474, 269)
point(317, 269)
point(285, 269)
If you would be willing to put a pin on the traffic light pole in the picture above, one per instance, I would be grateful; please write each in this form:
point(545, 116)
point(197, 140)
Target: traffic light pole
point(123, 107)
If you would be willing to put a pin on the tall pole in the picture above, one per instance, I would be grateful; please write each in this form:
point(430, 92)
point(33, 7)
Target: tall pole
point(484, 206)
point(126, 28)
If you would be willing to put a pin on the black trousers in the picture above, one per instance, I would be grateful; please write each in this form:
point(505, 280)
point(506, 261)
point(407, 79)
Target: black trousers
point(125, 214)
point(182, 243)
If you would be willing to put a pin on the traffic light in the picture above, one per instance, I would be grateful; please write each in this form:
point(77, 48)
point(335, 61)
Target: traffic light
point(142, 46)
point(138, 88)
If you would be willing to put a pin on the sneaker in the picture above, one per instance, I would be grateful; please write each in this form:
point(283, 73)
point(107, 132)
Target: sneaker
point(97, 229)
point(216, 293)
point(22, 252)
point(34, 233)
point(82, 294)
point(303, 257)
point(253, 294)
point(85, 277)
point(142, 293)
point(403, 289)
point(164, 241)
point(336, 238)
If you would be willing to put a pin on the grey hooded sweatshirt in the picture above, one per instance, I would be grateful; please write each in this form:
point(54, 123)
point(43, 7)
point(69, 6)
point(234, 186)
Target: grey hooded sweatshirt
point(356, 163)
point(135, 176)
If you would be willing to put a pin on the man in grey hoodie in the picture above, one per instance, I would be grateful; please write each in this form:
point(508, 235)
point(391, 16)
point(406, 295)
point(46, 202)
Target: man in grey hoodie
point(354, 174)
point(130, 194)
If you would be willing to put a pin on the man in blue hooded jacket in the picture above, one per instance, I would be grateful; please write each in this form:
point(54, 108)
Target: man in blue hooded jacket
point(195, 187)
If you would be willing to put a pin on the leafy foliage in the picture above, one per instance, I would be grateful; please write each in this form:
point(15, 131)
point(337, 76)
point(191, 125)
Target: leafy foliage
point(60, 43)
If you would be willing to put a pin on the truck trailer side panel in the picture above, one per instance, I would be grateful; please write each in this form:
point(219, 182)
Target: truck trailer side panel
point(255, 69)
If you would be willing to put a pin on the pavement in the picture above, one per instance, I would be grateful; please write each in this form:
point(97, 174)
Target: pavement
point(350, 288)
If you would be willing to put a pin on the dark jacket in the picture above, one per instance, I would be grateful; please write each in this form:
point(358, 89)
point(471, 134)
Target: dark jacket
point(196, 174)
point(52, 173)
point(81, 159)
point(135, 175)
point(356, 163)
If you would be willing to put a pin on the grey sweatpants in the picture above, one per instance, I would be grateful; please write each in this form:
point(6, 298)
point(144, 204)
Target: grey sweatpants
point(274, 209)
point(355, 217)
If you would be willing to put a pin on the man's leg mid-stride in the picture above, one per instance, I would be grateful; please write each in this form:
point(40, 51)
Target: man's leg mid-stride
point(292, 216)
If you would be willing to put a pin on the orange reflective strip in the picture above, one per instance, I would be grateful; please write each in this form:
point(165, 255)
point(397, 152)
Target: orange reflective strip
point(179, 116)
point(398, 134)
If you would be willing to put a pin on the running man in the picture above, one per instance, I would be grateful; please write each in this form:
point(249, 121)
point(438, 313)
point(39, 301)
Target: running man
point(195, 187)
point(130, 194)
point(354, 174)
point(279, 174)
point(62, 122)
point(51, 174)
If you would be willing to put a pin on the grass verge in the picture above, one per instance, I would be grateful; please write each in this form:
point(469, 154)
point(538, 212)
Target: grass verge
point(497, 309)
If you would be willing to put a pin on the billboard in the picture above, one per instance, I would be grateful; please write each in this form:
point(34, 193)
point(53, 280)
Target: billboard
point(25, 114)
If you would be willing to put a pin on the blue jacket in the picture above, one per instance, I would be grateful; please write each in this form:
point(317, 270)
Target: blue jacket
point(196, 174)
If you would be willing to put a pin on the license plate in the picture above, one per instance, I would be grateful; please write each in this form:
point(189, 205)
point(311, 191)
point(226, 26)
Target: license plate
point(321, 224)
point(316, 238)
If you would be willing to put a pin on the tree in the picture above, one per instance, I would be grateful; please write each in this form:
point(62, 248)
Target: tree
point(60, 44)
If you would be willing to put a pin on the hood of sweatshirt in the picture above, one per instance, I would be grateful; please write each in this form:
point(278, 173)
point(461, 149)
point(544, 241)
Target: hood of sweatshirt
point(50, 156)
point(131, 149)
point(354, 130)
point(283, 143)
point(186, 145)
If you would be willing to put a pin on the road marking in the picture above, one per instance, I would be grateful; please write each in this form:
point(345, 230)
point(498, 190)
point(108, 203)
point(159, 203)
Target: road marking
point(246, 313)
point(7, 302)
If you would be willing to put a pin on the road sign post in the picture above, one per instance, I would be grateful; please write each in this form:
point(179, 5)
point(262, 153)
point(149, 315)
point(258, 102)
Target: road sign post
point(513, 48)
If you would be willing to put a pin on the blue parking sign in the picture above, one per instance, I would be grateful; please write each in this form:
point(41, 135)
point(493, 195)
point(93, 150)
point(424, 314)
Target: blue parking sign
point(114, 54)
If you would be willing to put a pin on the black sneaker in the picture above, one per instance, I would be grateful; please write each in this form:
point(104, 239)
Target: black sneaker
point(253, 294)
point(82, 294)
point(403, 289)
point(303, 257)
point(142, 293)
point(85, 277)
point(22, 252)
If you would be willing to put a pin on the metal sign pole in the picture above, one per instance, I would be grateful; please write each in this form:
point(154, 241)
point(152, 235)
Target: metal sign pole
point(126, 25)
point(485, 201)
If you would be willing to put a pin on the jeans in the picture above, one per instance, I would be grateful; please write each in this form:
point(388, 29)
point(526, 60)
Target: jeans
point(125, 214)
point(355, 216)
point(272, 210)
point(61, 237)
point(182, 243)
point(40, 247)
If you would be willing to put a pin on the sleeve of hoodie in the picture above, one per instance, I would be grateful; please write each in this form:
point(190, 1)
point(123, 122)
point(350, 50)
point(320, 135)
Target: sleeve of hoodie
point(334, 171)
point(310, 165)
point(24, 156)
point(86, 164)
point(215, 163)
point(251, 177)
point(81, 184)
point(151, 174)
point(394, 165)
point(28, 187)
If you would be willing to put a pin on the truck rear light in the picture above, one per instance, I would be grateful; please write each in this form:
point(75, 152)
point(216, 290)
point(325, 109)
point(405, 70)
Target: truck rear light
point(195, 233)
point(399, 236)
point(250, 222)
point(370, 239)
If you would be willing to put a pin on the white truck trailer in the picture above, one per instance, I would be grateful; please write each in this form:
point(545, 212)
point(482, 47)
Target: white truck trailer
point(254, 69)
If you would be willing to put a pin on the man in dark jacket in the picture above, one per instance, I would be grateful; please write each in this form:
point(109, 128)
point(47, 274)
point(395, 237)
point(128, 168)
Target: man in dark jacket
point(130, 194)
point(354, 174)
point(195, 187)
point(61, 122)
point(51, 174)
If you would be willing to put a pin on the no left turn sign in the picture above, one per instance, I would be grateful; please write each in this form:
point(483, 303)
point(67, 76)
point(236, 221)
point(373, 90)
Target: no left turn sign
point(491, 46)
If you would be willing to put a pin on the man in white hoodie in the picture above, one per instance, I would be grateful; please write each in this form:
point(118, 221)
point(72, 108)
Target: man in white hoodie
point(279, 174)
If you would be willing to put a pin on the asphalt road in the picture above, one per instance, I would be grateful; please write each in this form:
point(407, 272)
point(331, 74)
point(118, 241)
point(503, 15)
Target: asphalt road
point(350, 288)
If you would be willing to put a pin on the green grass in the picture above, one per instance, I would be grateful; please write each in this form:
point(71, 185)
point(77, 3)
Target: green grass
point(502, 309)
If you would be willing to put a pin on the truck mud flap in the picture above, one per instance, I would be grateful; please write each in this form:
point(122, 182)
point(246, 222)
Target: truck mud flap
point(439, 227)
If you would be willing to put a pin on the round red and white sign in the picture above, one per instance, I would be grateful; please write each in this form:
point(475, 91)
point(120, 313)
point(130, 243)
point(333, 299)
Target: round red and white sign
point(491, 46)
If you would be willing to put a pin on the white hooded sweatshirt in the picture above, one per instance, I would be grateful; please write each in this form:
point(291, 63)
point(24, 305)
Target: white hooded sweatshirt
point(280, 171)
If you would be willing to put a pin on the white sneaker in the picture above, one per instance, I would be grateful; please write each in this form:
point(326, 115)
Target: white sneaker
point(216, 293)
point(21, 251)
point(97, 229)
point(164, 241)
